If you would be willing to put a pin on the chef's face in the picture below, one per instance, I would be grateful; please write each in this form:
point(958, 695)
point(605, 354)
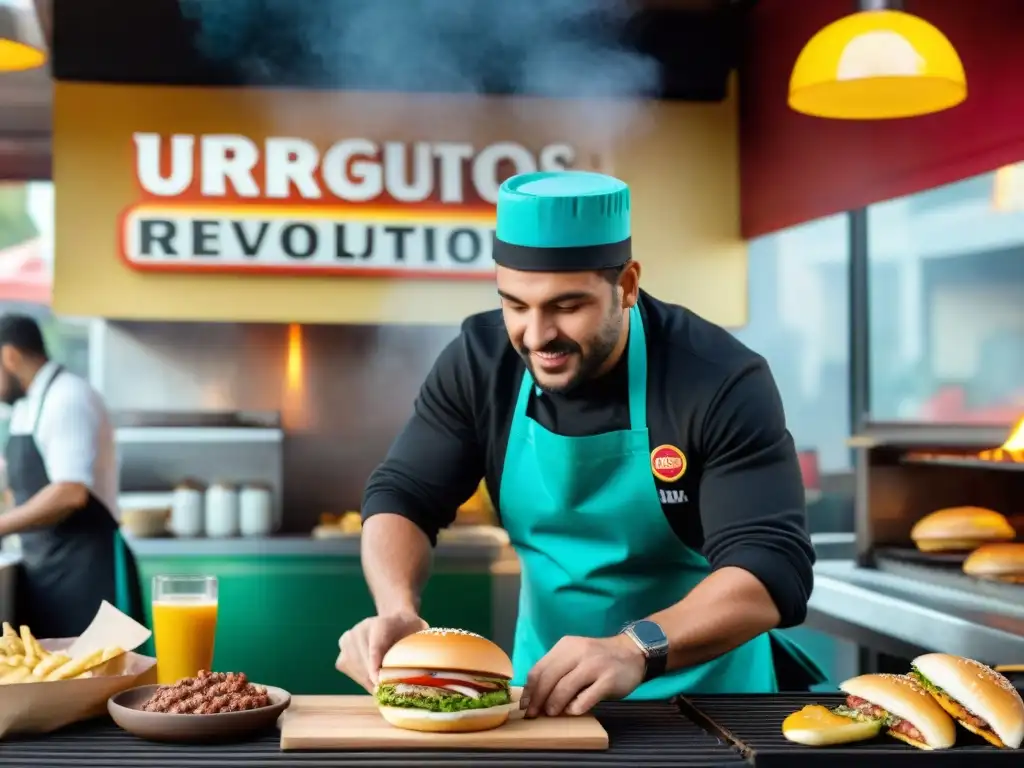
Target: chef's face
point(10, 388)
point(567, 326)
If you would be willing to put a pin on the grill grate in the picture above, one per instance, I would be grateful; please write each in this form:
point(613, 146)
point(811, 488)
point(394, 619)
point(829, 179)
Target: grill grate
point(754, 723)
point(644, 735)
point(953, 561)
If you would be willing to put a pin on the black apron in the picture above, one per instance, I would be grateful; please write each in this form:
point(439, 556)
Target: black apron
point(68, 569)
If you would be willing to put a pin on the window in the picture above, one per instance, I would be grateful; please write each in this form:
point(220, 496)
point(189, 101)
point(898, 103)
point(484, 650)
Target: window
point(26, 272)
point(799, 285)
point(946, 282)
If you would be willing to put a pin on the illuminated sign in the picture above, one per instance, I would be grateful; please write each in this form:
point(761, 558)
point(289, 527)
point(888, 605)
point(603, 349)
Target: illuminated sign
point(226, 203)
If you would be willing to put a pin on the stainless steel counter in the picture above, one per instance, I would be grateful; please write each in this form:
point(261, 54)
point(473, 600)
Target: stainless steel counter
point(902, 616)
point(488, 547)
point(473, 544)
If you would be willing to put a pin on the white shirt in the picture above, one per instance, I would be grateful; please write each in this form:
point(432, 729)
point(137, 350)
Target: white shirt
point(74, 434)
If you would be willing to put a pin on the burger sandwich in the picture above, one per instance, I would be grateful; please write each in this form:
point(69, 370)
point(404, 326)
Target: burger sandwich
point(960, 529)
point(979, 698)
point(445, 680)
point(903, 707)
point(997, 562)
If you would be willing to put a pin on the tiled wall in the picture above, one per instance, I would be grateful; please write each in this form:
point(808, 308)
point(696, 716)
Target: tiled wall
point(344, 391)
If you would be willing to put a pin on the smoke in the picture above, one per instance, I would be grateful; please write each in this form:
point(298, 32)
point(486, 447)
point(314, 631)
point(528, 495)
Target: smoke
point(529, 47)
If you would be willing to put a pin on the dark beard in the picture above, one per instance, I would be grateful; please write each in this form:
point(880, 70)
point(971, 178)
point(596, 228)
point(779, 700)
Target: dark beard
point(12, 391)
point(600, 350)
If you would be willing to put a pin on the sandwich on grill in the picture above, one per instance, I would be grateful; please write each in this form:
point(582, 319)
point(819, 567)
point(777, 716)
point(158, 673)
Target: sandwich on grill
point(960, 529)
point(979, 698)
point(997, 562)
point(904, 708)
point(445, 680)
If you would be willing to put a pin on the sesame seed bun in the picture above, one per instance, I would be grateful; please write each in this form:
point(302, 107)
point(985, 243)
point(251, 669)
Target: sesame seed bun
point(1004, 562)
point(960, 529)
point(900, 696)
point(981, 690)
point(449, 649)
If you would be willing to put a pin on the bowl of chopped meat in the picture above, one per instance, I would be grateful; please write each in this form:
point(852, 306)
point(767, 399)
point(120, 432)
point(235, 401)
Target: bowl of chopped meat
point(213, 706)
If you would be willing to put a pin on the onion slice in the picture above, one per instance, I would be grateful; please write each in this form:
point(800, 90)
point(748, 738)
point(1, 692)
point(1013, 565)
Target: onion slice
point(464, 690)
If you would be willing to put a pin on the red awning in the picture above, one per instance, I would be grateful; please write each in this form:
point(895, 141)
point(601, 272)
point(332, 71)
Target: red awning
point(25, 276)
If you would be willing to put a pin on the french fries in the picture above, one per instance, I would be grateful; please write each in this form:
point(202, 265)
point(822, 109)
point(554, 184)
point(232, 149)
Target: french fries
point(24, 660)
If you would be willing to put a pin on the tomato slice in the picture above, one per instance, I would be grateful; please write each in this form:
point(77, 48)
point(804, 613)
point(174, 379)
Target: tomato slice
point(440, 682)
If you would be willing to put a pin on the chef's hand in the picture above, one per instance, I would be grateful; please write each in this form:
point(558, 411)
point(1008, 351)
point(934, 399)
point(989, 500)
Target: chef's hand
point(363, 647)
point(580, 672)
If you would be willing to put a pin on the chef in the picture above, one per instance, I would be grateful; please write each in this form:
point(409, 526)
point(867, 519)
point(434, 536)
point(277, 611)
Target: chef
point(637, 455)
point(62, 473)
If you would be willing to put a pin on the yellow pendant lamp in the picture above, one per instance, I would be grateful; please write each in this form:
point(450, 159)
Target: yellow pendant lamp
point(877, 64)
point(21, 40)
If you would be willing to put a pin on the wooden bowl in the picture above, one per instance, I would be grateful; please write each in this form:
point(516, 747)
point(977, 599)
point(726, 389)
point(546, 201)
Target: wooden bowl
point(126, 710)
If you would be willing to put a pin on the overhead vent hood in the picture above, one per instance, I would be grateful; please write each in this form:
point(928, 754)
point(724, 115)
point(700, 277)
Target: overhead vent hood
point(678, 49)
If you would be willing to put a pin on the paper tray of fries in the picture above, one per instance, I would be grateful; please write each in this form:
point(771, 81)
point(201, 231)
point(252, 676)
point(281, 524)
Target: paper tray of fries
point(46, 684)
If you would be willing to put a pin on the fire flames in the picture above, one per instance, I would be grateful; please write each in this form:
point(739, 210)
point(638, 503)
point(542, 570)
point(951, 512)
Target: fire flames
point(1012, 450)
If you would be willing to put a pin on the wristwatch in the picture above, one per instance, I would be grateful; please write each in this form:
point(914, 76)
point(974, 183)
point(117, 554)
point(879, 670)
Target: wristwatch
point(653, 642)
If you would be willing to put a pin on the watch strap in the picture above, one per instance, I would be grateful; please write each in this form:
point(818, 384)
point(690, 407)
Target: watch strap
point(655, 654)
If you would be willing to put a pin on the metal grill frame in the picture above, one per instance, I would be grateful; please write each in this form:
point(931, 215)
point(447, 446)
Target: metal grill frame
point(641, 735)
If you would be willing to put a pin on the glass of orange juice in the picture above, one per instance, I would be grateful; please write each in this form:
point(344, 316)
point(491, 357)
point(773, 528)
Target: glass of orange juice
point(184, 625)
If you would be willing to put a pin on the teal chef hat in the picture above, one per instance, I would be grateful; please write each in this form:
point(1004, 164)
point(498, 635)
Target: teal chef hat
point(562, 221)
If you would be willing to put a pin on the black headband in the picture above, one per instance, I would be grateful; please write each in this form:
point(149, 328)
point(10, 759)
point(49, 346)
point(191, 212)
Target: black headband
point(526, 258)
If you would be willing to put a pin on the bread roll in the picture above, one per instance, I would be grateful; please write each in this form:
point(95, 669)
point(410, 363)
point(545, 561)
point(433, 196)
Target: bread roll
point(981, 691)
point(902, 697)
point(960, 529)
point(1004, 562)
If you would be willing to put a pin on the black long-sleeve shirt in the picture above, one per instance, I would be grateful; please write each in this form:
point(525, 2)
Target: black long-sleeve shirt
point(740, 501)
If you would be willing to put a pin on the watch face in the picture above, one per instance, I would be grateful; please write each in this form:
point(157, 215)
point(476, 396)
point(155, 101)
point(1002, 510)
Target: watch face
point(649, 633)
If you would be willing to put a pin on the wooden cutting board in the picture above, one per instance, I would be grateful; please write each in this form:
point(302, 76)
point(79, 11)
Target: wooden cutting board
point(353, 723)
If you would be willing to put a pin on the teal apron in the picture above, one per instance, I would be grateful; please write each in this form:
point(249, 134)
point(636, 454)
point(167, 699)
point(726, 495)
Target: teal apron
point(595, 548)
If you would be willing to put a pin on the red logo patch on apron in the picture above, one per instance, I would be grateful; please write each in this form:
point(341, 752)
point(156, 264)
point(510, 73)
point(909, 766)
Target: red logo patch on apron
point(668, 463)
